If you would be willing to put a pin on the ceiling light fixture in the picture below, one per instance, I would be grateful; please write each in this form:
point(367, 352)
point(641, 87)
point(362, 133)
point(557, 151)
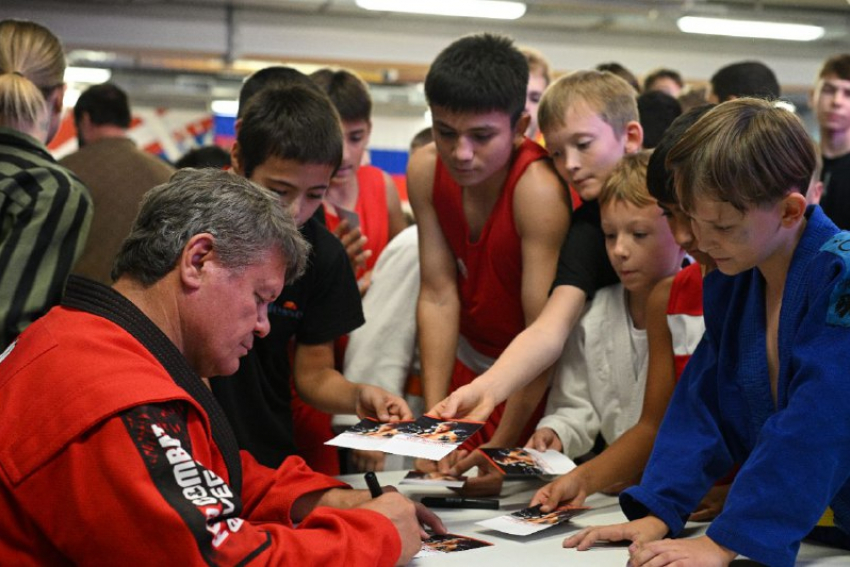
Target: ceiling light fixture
point(88, 75)
point(496, 9)
point(749, 28)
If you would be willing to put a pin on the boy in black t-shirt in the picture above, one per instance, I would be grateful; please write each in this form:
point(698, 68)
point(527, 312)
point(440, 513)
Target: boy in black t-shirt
point(832, 106)
point(589, 120)
point(289, 140)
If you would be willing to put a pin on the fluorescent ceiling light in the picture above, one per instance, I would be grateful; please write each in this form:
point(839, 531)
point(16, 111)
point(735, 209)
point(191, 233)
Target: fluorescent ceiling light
point(225, 107)
point(90, 75)
point(496, 9)
point(750, 28)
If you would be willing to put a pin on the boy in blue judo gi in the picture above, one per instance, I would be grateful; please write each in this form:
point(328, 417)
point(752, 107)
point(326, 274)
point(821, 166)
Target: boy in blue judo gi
point(768, 385)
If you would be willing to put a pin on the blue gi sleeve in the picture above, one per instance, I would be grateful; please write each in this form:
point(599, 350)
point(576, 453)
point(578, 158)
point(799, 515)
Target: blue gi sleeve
point(689, 453)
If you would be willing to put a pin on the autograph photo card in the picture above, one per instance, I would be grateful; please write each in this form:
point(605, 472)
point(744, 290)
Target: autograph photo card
point(433, 478)
point(431, 438)
point(449, 543)
point(522, 462)
point(428, 437)
point(531, 520)
point(368, 435)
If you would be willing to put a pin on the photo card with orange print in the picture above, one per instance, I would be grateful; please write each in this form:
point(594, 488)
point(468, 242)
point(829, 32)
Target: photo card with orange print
point(369, 434)
point(428, 437)
point(531, 520)
point(433, 478)
point(523, 462)
point(449, 543)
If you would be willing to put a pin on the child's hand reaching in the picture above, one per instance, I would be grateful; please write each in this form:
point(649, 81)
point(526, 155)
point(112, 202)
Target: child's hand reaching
point(545, 439)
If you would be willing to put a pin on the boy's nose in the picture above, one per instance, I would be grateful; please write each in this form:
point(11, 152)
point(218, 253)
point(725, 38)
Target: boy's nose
point(620, 247)
point(294, 208)
point(683, 235)
point(704, 240)
point(571, 160)
point(463, 150)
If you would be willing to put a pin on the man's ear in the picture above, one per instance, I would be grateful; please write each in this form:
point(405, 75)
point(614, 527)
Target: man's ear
point(793, 209)
point(196, 255)
point(633, 135)
point(236, 159)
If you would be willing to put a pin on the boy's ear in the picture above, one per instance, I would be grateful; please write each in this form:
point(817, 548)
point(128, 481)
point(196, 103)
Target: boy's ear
point(793, 209)
point(522, 124)
point(235, 159)
point(633, 136)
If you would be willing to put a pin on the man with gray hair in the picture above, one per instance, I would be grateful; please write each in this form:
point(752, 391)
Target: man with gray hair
point(103, 407)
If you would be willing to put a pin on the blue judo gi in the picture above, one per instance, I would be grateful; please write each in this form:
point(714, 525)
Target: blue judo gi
point(795, 454)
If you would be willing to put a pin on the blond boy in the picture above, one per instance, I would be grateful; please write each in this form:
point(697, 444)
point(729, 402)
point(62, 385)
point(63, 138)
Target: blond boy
point(600, 382)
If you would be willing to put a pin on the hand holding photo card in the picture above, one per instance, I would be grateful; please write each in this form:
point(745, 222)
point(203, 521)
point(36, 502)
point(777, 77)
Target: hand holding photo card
point(433, 478)
point(449, 543)
point(531, 520)
point(521, 462)
point(428, 437)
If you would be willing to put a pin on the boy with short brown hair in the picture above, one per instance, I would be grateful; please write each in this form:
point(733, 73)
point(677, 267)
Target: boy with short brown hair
point(758, 390)
point(831, 100)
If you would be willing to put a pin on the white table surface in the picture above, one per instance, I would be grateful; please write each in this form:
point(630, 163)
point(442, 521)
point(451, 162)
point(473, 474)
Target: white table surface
point(544, 548)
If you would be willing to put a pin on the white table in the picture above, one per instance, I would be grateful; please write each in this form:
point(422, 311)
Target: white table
point(544, 548)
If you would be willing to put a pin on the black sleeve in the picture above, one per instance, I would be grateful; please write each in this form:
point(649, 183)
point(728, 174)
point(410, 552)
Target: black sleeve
point(334, 307)
point(583, 261)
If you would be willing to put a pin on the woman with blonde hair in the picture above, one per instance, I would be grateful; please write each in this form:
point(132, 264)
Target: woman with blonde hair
point(45, 211)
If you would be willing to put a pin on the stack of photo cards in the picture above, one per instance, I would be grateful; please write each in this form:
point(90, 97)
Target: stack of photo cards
point(433, 478)
point(531, 520)
point(524, 462)
point(426, 438)
point(449, 543)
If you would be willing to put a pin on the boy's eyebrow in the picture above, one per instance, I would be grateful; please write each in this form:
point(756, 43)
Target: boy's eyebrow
point(581, 133)
point(285, 183)
point(482, 128)
point(715, 220)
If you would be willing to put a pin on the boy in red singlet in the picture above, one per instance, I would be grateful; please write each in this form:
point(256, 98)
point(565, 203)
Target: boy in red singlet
point(491, 216)
point(363, 189)
point(590, 121)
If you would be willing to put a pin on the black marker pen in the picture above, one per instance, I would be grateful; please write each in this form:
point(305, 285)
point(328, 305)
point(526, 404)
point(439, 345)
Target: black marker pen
point(455, 502)
point(372, 482)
